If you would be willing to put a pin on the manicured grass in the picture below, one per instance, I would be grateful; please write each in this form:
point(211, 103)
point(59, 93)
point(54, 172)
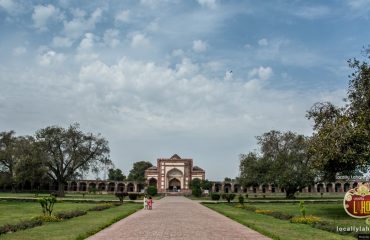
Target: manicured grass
point(14, 211)
point(78, 227)
point(272, 227)
point(331, 212)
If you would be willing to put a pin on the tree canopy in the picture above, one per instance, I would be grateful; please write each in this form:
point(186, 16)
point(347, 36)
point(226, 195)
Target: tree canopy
point(116, 174)
point(70, 150)
point(341, 139)
point(137, 173)
point(283, 160)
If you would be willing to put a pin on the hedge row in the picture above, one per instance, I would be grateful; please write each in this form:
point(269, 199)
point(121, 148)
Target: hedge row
point(20, 226)
point(70, 214)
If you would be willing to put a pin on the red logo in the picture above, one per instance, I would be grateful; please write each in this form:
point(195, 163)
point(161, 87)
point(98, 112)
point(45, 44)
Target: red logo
point(357, 202)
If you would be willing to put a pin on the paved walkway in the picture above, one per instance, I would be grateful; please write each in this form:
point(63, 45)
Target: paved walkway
point(177, 218)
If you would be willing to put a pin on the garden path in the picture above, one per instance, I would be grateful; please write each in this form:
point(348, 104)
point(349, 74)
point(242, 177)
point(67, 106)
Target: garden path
point(177, 218)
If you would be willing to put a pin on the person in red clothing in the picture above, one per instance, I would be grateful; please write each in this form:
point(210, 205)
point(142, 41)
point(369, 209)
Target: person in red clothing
point(150, 203)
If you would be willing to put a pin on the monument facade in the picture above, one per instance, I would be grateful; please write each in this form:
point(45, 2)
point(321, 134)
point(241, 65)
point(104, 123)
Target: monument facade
point(173, 174)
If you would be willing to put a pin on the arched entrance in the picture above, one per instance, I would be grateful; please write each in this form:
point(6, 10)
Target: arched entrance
point(174, 178)
point(174, 185)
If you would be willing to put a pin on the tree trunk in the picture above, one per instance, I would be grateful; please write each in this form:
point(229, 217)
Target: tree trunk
point(60, 189)
point(290, 193)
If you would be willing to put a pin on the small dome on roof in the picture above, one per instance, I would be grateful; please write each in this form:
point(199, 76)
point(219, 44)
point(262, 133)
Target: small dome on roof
point(175, 156)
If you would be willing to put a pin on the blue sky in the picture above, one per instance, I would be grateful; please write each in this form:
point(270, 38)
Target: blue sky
point(157, 77)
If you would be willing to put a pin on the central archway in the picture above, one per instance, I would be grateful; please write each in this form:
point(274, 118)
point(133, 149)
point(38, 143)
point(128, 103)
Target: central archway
point(174, 180)
point(174, 185)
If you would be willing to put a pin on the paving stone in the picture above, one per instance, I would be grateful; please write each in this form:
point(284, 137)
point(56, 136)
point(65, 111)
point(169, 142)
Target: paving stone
point(177, 218)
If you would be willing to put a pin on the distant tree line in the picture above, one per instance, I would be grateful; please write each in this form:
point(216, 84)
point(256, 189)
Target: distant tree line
point(340, 144)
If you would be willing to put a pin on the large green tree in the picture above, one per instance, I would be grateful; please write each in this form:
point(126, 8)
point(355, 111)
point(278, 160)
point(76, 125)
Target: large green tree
point(137, 173)
point(283, 161)
point(69, 151)
point(30, 166)
point(116, 174)
point(341, 139)
point(8, 157)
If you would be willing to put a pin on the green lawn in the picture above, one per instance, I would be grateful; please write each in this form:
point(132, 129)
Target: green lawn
point(332, 212)
point(78, 227)
point(14, 211)
point(272, 227)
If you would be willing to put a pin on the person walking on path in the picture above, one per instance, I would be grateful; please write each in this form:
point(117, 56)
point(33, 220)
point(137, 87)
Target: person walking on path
point(145, 203)
point(150, 203)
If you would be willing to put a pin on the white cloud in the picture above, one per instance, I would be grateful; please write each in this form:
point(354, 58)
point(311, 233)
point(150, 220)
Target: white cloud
point(123, 16)
point(111, 38)
point(228, 76)
point(18, 51)
point(86, 51)
point(177, 52)
point(50, 58)
point(80, 24)
point(208, 3)
point(262, 73)
point(358, 4)
point(42, 14)
point(139, 40)
point(263, 42)
point(11, 6)
point(62, 42)
point(199, 46)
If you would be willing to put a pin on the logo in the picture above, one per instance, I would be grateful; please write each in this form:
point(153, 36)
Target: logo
point(357, 201)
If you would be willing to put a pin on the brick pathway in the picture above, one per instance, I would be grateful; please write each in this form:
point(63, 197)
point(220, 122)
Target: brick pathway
point(177, 218)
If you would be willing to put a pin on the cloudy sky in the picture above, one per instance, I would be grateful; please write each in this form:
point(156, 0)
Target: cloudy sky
point(157, 77)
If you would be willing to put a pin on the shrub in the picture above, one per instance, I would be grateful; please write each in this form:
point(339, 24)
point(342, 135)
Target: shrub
point(302, 208)
point(280, 215)
point(152, 190)
point(121, 195)
point(47, 204)
point(133, 196)
point(251, 208)
point(241, 199)
point(100, 207)
point(263, 211)
point(305, 220)
point(239, 205)
point(215, 196)
point(246, 195)
point(228, 196)
point(48, 218)
point(70, 214)
point(20, 226)
point(196, 191)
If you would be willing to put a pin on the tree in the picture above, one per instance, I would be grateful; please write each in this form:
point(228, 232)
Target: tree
point(70, 150)
point(283, 160)
point(137, 173)
point(30, 165)
point(341, 139)
point(7, 154)
point(116, 174)
point(206, 184)
point(195, 186)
